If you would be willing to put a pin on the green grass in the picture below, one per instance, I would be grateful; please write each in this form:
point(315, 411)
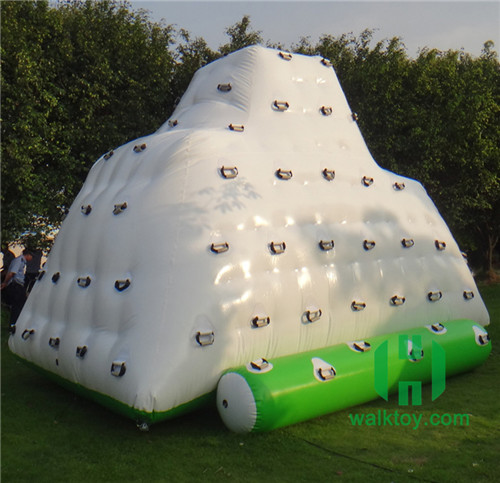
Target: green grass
point(49, 434)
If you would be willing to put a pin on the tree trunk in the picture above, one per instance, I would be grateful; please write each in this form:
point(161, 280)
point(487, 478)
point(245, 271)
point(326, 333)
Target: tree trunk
point(492, 242)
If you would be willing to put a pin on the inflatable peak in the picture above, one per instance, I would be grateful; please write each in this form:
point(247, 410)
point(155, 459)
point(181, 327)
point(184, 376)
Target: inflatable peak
point(253, 224)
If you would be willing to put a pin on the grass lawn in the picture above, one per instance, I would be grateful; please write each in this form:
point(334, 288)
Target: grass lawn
point(49, 434)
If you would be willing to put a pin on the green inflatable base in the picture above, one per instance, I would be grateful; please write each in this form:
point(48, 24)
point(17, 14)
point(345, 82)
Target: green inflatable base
point(268, 394)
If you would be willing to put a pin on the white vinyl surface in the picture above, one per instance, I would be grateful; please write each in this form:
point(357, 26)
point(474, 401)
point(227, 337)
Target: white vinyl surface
point(237, 244)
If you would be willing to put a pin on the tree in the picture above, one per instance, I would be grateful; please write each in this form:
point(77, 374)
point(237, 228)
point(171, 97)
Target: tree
point(77, 81)
point(453, 126)
point(240, 35)
point(434, 119)
point(80, 78)
point(190, 55)
point(30, 132)
point(377, 84)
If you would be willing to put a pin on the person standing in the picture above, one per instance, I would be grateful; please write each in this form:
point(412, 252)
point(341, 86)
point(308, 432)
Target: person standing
point(7, 258)
point(32, 270)
point(14, 283)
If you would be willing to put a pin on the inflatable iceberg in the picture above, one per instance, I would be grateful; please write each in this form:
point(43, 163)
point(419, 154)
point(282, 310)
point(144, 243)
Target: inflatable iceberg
point(253, 225)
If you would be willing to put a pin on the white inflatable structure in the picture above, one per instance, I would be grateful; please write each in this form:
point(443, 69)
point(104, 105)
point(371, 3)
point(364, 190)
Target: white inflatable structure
point(253, 224)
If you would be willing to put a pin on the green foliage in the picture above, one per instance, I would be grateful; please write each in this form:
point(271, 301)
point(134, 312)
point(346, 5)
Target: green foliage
point(77, 81)
point(435, 119)
point(457, 104)
point(190, 55)
point(32, 148)
point(240, 36)
point(83, 77)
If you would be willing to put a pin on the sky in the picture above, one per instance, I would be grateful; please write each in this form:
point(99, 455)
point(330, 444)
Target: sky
point(440, 24)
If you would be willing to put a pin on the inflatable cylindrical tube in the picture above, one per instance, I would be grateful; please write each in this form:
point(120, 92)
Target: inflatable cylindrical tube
point(268, 394)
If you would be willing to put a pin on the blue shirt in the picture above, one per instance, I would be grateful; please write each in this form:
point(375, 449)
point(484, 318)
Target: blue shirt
point(18, 267)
